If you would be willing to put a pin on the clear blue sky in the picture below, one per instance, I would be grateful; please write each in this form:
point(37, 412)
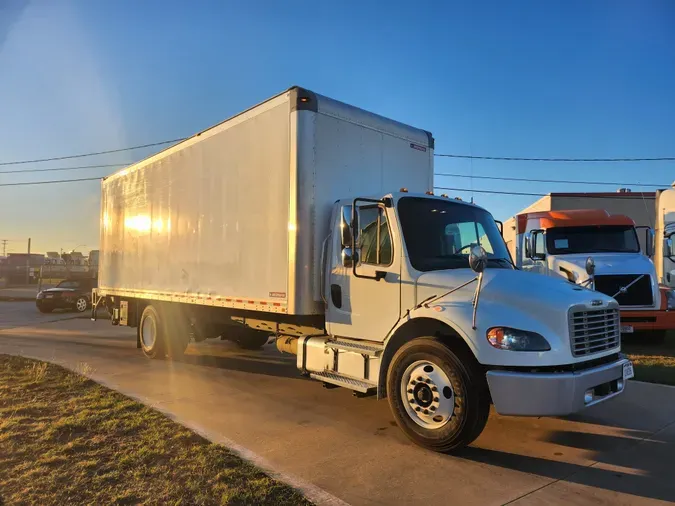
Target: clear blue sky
point(541, 79)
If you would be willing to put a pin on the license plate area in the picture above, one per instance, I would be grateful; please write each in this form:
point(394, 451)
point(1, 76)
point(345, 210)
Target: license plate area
point(628, 372)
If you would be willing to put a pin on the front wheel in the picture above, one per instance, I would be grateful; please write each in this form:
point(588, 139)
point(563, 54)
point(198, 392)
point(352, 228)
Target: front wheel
point(438, 395)
point(81, 304)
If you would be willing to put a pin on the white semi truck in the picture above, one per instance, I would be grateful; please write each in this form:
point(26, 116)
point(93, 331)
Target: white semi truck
point(282, 221)
point(600, 250)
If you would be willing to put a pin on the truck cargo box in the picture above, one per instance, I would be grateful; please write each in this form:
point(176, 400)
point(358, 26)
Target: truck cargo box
point(235, 216)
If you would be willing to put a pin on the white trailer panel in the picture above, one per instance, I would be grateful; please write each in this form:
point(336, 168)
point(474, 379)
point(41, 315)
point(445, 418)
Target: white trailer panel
point(235, 216)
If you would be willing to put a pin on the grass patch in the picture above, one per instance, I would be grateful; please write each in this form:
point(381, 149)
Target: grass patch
point(65, 439)
point(654, 363)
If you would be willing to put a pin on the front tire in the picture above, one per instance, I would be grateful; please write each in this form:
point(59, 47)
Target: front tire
point(437, 394)
point(81, 304)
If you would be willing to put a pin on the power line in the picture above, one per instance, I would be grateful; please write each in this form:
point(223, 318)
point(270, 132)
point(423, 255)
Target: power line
point(525, 159)
point(51, 169)
point(82, 155)
point(447, 155)
point(552, 180)
point(633, 195)
point(27, 183)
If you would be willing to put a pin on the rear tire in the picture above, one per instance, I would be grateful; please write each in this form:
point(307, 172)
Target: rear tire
point(437, 394)
point(151, 333)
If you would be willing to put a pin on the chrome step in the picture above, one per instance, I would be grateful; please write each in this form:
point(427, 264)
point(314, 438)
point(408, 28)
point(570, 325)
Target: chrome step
point(372, 350)
point(343, 381)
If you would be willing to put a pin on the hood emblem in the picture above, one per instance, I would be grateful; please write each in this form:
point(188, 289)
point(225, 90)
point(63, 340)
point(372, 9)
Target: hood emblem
point(596, 302)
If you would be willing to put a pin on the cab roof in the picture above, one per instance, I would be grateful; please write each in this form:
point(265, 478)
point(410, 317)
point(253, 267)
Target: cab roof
point(572, 218)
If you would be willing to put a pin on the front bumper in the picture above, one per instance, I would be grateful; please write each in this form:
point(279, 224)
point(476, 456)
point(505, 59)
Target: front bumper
point(648, 320)
point(55, 303)
point(554, 394)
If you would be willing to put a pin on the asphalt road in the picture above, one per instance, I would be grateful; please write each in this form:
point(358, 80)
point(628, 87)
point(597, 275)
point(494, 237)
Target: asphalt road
point(616, 453)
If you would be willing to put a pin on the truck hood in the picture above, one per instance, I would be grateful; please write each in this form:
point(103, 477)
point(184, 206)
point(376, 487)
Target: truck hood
point(605, 263)
point(510, 298)
point(527, 290)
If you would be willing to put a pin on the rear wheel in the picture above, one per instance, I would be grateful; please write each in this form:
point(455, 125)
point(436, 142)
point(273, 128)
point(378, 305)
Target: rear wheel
point(438, 395)
point(150, 334)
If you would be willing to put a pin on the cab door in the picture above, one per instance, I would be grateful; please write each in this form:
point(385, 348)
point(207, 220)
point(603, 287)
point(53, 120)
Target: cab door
point(364, 301)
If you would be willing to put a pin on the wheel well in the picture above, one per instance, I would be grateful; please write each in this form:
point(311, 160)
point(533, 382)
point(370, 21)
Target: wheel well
point(417, 327)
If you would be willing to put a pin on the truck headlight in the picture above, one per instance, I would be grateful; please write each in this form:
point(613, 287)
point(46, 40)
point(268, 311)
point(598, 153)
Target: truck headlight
point(670, 298)
point(505, 338)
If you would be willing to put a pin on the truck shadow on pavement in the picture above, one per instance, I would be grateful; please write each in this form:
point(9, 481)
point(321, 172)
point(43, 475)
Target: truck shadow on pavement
point(254, 362)
point(609, 477)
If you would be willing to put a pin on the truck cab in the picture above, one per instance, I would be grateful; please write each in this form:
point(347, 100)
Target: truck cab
point(601, 251)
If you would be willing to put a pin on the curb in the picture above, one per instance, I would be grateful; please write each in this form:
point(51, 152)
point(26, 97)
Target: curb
point(9, 298)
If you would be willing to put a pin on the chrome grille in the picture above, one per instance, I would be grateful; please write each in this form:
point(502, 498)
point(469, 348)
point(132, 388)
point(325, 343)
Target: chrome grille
point(594, 330)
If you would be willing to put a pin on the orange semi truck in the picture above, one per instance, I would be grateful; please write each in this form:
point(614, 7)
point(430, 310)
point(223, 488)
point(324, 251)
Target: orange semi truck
point(601, 251)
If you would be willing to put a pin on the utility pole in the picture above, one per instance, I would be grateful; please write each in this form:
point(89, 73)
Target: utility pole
point(28, 264)
point(4, 247)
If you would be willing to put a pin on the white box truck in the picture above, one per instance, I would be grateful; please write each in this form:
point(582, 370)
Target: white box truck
point(282, 221)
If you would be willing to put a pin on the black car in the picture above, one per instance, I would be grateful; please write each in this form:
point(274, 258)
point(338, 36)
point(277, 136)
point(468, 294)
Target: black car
point(73, 294)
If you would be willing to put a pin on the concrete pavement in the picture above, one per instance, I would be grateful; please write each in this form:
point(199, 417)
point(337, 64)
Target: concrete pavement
point(616, 453)
point(18, 293)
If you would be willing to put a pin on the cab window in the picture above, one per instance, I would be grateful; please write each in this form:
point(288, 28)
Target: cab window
point(375, 238)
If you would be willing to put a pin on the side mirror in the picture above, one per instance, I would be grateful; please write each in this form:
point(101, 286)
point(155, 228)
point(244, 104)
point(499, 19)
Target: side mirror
point(531, 239)
point(355, 227)
point(649, 241)
point(349, 258)
point(478, 259)
point(500, 226)
point(669, 246)
point(346, 227)
point(590, 266)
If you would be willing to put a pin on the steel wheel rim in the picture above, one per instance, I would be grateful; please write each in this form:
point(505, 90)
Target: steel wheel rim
point(427, 394)
point(148, 332)
point(81, 304)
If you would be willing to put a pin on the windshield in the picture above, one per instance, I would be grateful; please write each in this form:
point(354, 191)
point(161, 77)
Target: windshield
point(439, 234)
point(593, 239)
